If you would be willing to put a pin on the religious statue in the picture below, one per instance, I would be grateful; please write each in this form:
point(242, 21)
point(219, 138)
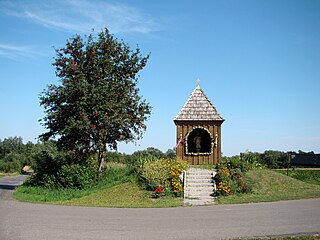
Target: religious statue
point(197, 140)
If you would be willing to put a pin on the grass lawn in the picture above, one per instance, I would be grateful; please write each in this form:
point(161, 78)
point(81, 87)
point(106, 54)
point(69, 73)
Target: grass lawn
point(127, 194)
point(121, 194)
point(308, 176)
point(270, 186)
point(7, 174)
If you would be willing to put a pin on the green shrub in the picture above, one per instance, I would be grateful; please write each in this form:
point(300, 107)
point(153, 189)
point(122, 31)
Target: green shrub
point(74, 176)
point(54, 170)
point(275, 159)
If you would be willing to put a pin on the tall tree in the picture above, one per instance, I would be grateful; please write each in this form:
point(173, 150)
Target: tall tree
point(97, 103)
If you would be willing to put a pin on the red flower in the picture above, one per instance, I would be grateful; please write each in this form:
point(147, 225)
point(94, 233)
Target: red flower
point(158, 189)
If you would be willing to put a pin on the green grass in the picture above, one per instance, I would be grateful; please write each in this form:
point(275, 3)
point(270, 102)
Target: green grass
point(270, 186)
point(2, 174)
point(120, 194)
point(308, 176)
point(41, 194)
point(126, 195)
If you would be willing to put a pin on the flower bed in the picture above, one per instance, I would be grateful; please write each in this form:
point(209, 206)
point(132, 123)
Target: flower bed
point(162, 176)
point(229, 177)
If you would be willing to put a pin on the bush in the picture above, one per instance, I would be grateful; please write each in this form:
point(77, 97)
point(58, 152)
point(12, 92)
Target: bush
point(54, 170)
point(275, 159)
point(162, 176)
point(229, 177)
point(74, 176)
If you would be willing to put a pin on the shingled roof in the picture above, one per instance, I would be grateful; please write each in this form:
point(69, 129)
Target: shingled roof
point(198, 108)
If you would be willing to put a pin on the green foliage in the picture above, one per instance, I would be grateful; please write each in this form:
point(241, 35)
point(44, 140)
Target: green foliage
point(12, 162)
point(9, 145)
point(253, 158)
point(163, 176)
point(14, 154)
point(54, 169)
point(170, 153)
point(230, 176)
point(98, 102)
point(275, 159)
point(75, 176)
point(139, 157)
point(269, 158)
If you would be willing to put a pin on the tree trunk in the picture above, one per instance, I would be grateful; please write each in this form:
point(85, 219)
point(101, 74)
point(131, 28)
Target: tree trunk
point(102, 155)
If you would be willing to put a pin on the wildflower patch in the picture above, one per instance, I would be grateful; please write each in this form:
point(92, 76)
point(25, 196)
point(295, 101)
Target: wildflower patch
point(162, 176)
point(229, 177)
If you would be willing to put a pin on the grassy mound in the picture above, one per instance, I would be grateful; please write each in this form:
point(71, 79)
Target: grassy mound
point(122, 195)
point(127, 194)
point(270, 186)
point(308, 176)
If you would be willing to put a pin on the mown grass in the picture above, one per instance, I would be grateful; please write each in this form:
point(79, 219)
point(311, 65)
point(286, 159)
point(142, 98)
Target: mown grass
point(270, 186)
point(308, 176)
point(124, 195)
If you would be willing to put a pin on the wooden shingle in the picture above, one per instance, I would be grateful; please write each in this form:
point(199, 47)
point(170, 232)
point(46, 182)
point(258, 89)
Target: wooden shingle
point(198, 108)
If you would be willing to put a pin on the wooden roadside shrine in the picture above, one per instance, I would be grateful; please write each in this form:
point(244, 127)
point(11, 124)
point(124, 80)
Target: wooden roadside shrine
point(198, 127)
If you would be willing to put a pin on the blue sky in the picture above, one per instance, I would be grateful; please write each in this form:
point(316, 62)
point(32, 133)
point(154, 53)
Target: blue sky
point(258, 62)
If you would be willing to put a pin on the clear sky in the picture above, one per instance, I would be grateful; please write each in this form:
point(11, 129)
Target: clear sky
point(258, 62)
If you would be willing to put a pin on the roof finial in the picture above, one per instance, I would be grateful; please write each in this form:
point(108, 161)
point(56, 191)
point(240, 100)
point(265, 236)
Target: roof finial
point(198, 81)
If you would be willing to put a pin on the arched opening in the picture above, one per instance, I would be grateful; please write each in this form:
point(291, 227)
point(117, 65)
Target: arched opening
point(199, 142)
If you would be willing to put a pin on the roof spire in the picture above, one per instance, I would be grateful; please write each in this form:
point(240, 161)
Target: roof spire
point(198, 81)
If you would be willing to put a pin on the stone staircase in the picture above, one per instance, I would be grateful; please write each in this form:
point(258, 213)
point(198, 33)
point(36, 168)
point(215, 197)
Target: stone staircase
point(199, 186)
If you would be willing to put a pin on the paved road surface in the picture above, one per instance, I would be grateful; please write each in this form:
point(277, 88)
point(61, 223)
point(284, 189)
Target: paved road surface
point(34, 221)
point(7, 184)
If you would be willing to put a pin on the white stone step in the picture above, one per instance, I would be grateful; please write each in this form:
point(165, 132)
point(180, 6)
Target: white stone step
point(199, 184)
point(199, 193)
point(199, 187)
point(199, 174)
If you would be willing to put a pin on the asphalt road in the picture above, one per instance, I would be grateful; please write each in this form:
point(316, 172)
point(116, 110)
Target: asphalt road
point(39, 221)
point(7, 184)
